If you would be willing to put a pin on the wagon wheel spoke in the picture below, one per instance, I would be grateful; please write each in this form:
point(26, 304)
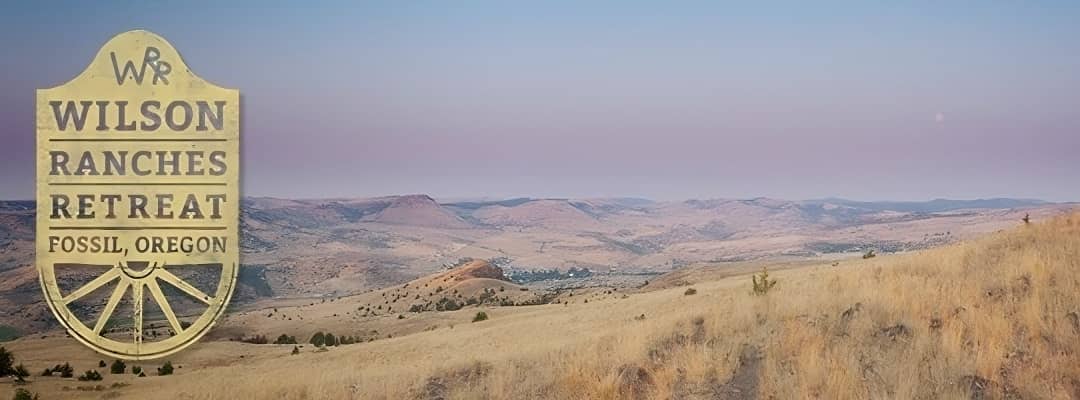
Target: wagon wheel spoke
point(137, 311)
point(163, 303)
point(114, 300)
point(93, 285)
point(183, 286)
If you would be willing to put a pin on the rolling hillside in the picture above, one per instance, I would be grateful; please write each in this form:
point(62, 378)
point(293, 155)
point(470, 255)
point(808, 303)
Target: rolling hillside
point(339, 247)
point(995, 317)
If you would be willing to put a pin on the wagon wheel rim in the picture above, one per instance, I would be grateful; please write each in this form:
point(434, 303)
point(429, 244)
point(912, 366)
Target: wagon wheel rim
point(133, 284)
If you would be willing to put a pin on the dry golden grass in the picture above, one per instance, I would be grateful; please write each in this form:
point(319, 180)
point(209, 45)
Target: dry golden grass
point(992, 318)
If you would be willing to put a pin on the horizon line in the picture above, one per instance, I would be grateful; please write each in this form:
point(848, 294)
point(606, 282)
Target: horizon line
point(483, 198)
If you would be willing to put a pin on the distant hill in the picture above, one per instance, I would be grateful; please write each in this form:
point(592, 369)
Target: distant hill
point(931, 206)
point(418, 210)
point(470, 285)
point(536, 213)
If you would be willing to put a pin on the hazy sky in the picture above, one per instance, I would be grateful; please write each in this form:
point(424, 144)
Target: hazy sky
point(665, 100)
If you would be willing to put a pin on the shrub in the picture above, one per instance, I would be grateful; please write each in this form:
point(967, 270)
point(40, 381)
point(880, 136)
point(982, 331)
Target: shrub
point(91, 375)
point(762, 283)
point(21, 373)
point(295, 350)
point(401, 316)
point(447, 304)
point(257, 339)
point(869, 254)
point(118, 367)
point(6, 361)
point(690, 292)
point(51, 371)
point(318, 339)
point(165, 369)
point(101, 364)
point(66, 371)
point(136, 370)
point(480, 316)
point(23, 394)
point(331, 340)
point(285, 339)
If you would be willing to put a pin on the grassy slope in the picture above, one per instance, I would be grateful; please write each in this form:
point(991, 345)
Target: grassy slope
point(994, 317)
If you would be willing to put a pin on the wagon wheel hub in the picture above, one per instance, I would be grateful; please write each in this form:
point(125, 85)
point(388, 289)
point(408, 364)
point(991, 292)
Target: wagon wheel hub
point(133, 270)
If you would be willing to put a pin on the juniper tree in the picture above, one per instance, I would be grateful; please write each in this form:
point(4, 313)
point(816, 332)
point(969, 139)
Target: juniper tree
point(165, 369)
point(23, 394)
point(318, 339)
point(21, 373)
point(6, 361)
point(480, 316)
point(118, 367)
point(762, 283)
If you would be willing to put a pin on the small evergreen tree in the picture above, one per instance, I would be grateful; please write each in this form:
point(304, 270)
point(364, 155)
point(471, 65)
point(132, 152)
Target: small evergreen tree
point(7, 361)
point(165, 369)
point(762, 283)
point(23, 394)
point(330, 340)
point(101, 364)
point(447, 304)
point(66, 371)
point(21, 373)
point(295, 350)
point(480, 316)
point(285, 339)
point(90, 375)
point(318, 339)
point(118, 367)
point(136, 370)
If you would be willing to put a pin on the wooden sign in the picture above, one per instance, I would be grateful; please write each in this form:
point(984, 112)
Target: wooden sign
point(138, 199)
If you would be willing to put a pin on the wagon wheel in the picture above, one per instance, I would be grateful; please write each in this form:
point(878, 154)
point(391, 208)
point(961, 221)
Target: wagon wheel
point(127, 284)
